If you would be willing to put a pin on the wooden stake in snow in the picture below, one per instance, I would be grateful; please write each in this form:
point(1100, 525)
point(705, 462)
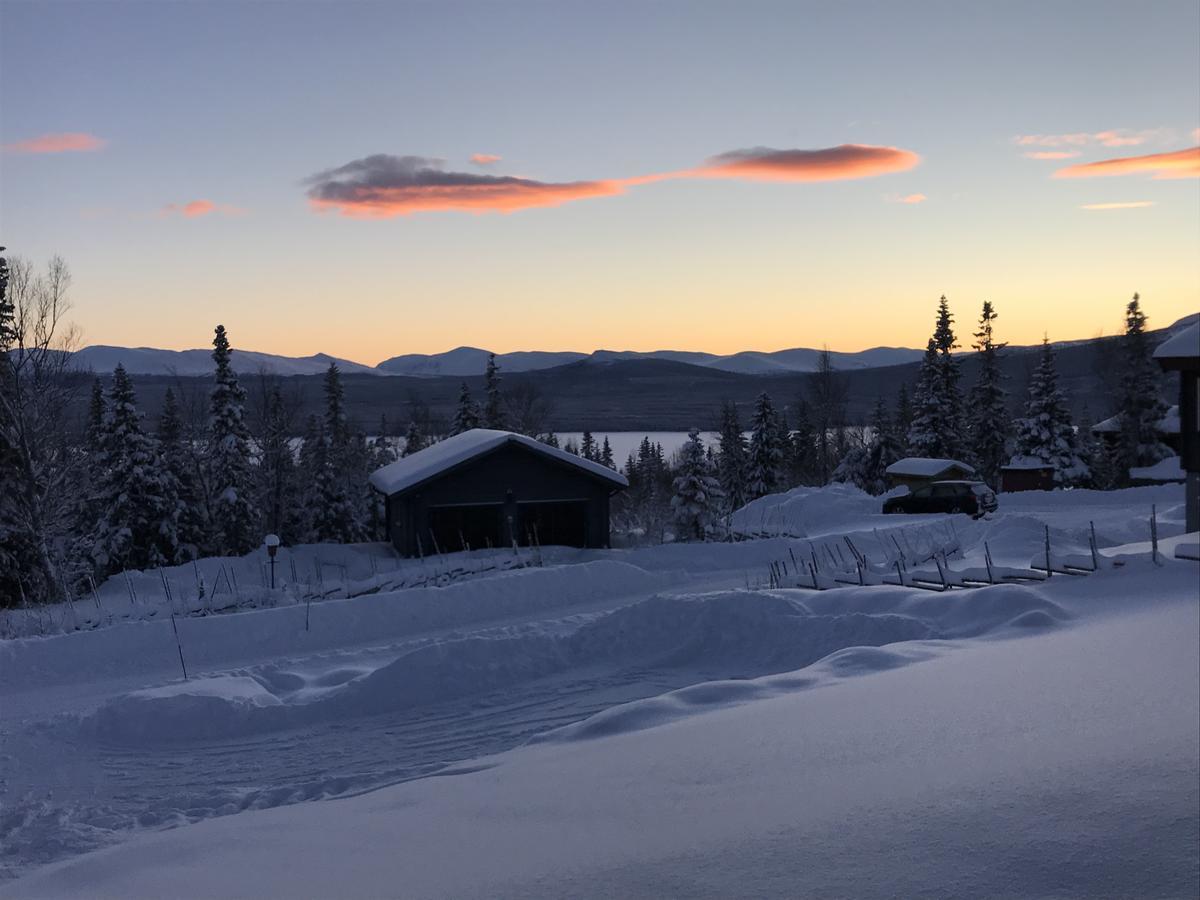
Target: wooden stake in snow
point(1154, 533)
point(1049, 567)
point(1092, 545)
point(178, 646)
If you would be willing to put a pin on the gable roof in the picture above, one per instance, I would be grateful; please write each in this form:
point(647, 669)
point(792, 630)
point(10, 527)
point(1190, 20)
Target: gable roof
point(409, 471)
point(924, 467)
point(1184, 345)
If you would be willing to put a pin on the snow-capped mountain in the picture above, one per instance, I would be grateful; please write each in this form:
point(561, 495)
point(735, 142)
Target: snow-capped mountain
point(151, 361)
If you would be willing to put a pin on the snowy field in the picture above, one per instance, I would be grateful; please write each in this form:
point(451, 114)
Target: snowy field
point(681, 720)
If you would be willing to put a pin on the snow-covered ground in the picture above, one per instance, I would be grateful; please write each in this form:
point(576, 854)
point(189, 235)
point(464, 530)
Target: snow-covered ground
point(648, 722)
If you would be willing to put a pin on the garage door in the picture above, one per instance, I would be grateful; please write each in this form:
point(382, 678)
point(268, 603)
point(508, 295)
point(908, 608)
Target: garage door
point(561, 522)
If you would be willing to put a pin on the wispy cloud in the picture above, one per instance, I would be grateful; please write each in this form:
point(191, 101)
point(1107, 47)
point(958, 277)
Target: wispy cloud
point(1117, 137)
point(194, 209)
point(64, 142)
point(1176, 164)
point(1052, 154)
point(383, 186)
point(484, 159)
point(1128, 204)
point(830, 164)
point(911, 199)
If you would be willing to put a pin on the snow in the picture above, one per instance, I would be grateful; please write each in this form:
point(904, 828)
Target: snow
point(1027, 462)
point(410, 471)
point(924, 467)
point(1169, 469)
point(1183, 345)
point(647, 722)
point(1168, 424)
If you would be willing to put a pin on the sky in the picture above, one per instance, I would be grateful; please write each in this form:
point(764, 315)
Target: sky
point(371, 179)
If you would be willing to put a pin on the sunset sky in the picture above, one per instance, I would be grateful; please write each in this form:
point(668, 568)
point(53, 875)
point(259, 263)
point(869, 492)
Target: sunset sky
point(370, 179)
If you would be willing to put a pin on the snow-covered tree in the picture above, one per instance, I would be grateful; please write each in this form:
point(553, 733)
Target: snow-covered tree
point(866, 465)
point(137, 528)
point(903, 417)
point(1046, 432)
point(550, 439)
point(181, 462)
point(278, 487)
point(1141, 403)
point(493, 409)
point(697, 497)
point(731, 460)
point(988, 418)
point(802, 447)
point(234, 523)
point(937, 428)
point(339, 511)
point(414, 439)
point(766, 455)
point(466, 414)
point(827, 411)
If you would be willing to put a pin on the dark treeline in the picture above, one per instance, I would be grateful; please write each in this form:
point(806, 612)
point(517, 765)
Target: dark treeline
point(220, 462)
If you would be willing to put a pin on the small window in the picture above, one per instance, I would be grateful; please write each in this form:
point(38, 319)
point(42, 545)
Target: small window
point(947, 490)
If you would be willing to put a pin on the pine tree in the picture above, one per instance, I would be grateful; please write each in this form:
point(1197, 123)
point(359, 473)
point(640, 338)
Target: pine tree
point(550, 439)
point(903, 417)
point(866, 466)
point(340, 512)
point(766, 455)
point(137, 529)
point(414, 439)
point(1046, 433)
point(925, 436)
point(235, 520)
point(697, 491)
point(278, 490)
point(493, 410)
point(731, 461)
point(802, 449)
point(606, 454)
point(988, 419)
point(181, 466)
point(1141, 403)
point(587, 447)
point(466, 415)
point(571, 447)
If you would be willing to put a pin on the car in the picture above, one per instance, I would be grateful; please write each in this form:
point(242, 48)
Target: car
point(971, 497)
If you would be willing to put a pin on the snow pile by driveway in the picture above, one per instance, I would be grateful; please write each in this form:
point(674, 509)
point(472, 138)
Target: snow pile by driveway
point(806, 511)
point(730, 634)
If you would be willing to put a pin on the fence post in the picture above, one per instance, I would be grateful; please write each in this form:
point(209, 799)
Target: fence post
point(1049, 569)
point(1154, 533)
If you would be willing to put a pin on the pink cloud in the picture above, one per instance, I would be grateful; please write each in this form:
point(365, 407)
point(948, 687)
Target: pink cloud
point(1176, 164)
point(1052, 154)
point(65, 142)
point(194, 209)
point(484, 159)
point(910, 199)
point(830, 164)
point(1116, 137)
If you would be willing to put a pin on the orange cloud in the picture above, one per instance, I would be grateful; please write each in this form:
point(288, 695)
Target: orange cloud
point(1129, 204)
point(830, 164)
point(382, 186)
point(1052, 154)
point(66, 142)
point(484, 159)
point(197, 208)
point(1176, 164)
point(911, 199)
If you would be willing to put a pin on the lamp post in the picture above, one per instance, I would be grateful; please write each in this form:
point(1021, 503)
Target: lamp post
point(271, 541)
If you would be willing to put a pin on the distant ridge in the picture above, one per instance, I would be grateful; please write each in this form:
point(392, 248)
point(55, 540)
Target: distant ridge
point(471, 361)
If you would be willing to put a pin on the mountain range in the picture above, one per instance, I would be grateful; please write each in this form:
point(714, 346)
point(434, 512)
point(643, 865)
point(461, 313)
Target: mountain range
point(462, 362)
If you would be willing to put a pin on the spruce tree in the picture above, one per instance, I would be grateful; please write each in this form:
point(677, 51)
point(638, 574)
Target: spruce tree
point(587, 447)
point(606, 454)
point(766, 455)
point(414, 440)
point(550, 439)
point(181, 464)
point(340, 514)
point(925, 436)
point(1046, 433)
point(802, 449)
point(493, 410)
point(697, 496)
point(951, 426)
point(466, 414)
point(866, 466)
point(138, 525)
point(903, 417)
point(279, 499)
point(988, 419)
point(731, 461)
point(234, 519)
point(1141, 403)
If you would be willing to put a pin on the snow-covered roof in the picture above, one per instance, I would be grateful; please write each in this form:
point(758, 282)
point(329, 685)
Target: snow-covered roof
point(1027, 462)
point(1168, 469)
point(924, 467)
point(412, 470)
point(1185, 345)
point(1168, 424)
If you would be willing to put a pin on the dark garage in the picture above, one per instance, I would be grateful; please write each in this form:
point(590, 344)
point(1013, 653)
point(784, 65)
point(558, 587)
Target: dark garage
point(483, 488)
